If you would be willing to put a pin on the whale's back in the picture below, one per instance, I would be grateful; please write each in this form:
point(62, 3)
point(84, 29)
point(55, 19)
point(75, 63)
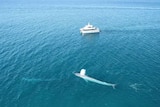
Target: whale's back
point(82, 72)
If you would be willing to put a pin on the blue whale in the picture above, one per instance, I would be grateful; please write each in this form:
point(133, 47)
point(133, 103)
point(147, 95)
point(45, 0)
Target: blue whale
point(83, 75)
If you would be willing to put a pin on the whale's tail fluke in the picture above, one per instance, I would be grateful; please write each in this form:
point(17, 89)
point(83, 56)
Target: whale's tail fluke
point(114, 86)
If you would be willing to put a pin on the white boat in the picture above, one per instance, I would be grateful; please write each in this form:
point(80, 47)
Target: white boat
point(89, 29)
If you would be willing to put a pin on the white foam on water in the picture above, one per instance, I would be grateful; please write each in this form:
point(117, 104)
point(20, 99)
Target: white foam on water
point(36, 80)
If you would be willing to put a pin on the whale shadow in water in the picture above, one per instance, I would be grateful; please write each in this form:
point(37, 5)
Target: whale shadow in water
point(136, 86)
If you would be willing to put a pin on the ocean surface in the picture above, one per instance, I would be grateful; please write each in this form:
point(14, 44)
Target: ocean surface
point(41, 47)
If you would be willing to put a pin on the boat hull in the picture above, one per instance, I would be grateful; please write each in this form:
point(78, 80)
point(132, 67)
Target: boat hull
point(90, 31)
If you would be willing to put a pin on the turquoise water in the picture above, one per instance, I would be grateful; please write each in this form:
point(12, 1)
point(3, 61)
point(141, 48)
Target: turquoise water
point(41, 47)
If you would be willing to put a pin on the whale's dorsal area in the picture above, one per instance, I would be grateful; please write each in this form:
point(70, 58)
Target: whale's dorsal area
point(82, 72)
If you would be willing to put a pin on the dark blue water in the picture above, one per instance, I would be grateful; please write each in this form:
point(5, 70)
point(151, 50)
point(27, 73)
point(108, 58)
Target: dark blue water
point(41, 47)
